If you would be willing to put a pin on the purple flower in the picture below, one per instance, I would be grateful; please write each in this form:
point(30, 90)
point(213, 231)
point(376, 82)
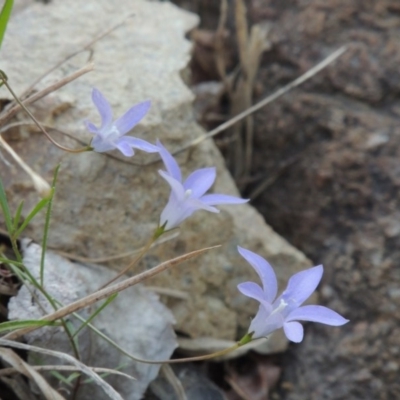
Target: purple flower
point(111, 134)
point(285, 310)
point(188, 197)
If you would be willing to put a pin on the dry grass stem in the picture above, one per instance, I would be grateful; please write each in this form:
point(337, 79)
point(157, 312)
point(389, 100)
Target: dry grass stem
point(237, 389)
point(6, 115)
point(219, 45)
point(41, 186)
point(22, 367)
point(250, 48)
point(269, 99)
point(108, 389)
point(98, 260)
point(108, 291)
point(173, 380)
point(177, 294)
point(67, 368)
point(241, 31)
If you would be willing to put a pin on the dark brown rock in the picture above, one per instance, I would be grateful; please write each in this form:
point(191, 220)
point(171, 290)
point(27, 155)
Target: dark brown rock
point(334, 146)
point(330, 151)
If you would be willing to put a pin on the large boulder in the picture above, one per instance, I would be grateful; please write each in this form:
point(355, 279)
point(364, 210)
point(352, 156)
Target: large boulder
point(109, 205)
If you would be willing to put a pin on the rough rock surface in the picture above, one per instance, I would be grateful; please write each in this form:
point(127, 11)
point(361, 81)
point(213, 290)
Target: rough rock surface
point(105, 206)
point(145, 331)
point(337, 198)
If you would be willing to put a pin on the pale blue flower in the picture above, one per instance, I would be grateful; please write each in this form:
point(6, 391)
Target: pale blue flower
point(285, 310)
point(188, 197)
point(112, 134)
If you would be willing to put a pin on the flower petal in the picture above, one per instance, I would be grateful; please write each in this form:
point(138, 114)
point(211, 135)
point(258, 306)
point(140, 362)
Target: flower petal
point(100, 145)
point(302, 285)
point(103, 106)
point(319, 314)
point(176, 186)
point(199, 205)
point(170, 163)
point(215, 199)
point(264, 323)
point(91, 128)
point(294, 331)
point(264, 271)
point(125, 148)
point(200, 181)
point(176, 211)
point(125, 123)
point(140, 144)
point(254, 291)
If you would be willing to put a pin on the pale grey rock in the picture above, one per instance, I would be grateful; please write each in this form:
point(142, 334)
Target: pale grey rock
point(135, 320)
point(106, 206)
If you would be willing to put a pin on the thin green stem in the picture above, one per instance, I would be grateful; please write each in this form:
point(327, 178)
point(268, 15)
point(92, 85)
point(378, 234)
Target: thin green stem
point(47, 225)
point(201, 358)
point(14, 246)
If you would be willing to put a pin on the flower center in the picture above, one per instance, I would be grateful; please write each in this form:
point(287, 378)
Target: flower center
point(188, 193)
point(282, 306)
point(111, 134)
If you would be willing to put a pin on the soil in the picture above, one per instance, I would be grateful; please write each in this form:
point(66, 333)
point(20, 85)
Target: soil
point(331, 152)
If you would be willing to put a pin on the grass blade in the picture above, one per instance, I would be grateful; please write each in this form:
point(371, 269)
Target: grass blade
point(17, 216)
point(62, 378)
point(4, 17)
point(6, 209)
point(7, 261)
point(47, 224)
point(39, 206)
point(12, 325)
point(98, 311)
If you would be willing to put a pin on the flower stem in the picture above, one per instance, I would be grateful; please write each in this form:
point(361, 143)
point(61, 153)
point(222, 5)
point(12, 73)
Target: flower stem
point(3, 78)
point(206, 356)
point(189, 359)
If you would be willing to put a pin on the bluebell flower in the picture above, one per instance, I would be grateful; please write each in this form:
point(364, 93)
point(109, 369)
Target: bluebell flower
point(286, 310)
point(112, 134)
point(189, 196)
